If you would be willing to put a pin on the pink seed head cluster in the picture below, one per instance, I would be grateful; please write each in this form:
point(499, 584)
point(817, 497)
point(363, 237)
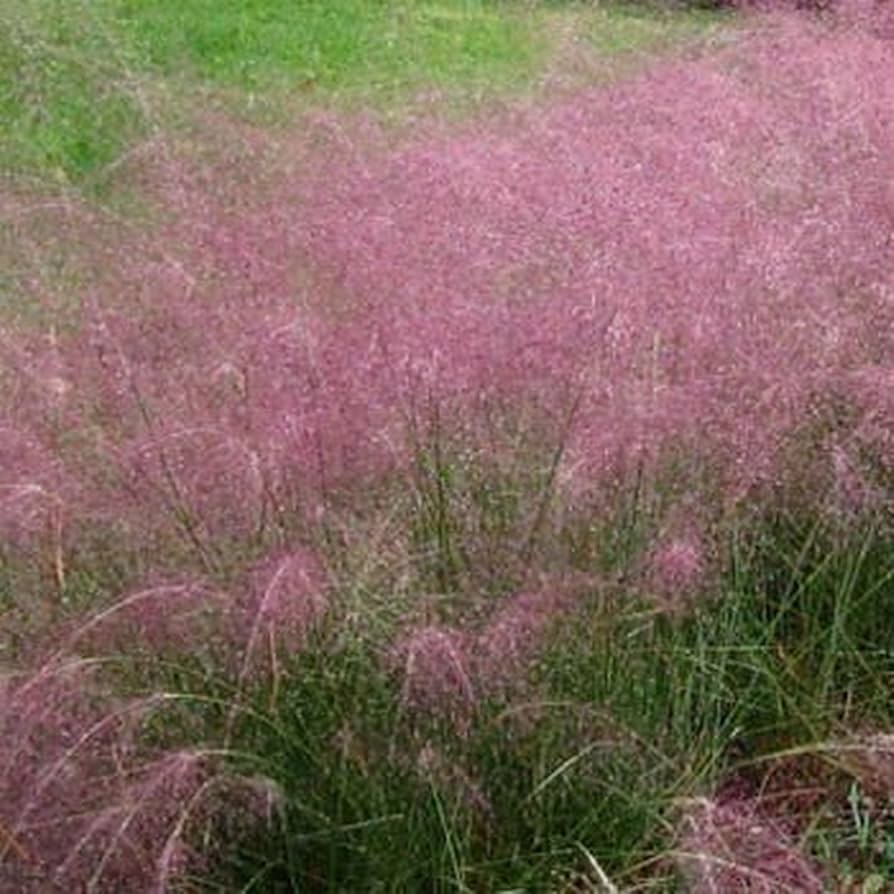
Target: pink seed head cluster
point(436, 674)
point(80, 810)
point(731, 845)
point(676, 569)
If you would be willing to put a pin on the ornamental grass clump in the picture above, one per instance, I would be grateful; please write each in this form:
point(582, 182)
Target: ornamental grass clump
point(82, 807)
point(701, 252)
point(732, 845)
point(327, 463)
point(687, 260)
point(99, 791)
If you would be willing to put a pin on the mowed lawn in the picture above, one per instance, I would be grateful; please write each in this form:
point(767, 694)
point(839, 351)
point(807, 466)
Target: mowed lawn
point(445, 447)
point(82, 81)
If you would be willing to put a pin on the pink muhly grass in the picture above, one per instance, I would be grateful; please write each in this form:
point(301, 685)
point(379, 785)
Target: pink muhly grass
point(224, 805)
point(435, 669)
point(172, 618)
point(514, 634)
point(224, 416)
point(81, 809)
point(676, 570)
point(698, 252)
point(286, 598)
point(719, 236)
point(137, 841)
point(731, 845)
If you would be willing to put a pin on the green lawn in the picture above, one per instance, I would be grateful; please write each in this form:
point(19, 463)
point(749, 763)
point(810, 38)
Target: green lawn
point(81, 81)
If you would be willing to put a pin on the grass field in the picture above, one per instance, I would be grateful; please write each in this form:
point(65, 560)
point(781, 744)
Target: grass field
point(445, 447)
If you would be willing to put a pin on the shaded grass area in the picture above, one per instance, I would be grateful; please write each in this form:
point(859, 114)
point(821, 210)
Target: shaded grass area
point(80, 81)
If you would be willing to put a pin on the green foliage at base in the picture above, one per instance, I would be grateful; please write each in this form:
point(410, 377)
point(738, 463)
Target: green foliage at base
point(628, 714)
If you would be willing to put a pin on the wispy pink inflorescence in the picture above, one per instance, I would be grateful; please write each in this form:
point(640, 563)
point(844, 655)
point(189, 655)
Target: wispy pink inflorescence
point(37, 408)
point(731, 845)
point(512, 637)
point(79, 808)
point(436, 674)
point(688, 258)
point(286, 596)
point(676, 569)
point(138, 841)
point(36, 494)
point(697, 250)
point(687, 249)
point(176, 617)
